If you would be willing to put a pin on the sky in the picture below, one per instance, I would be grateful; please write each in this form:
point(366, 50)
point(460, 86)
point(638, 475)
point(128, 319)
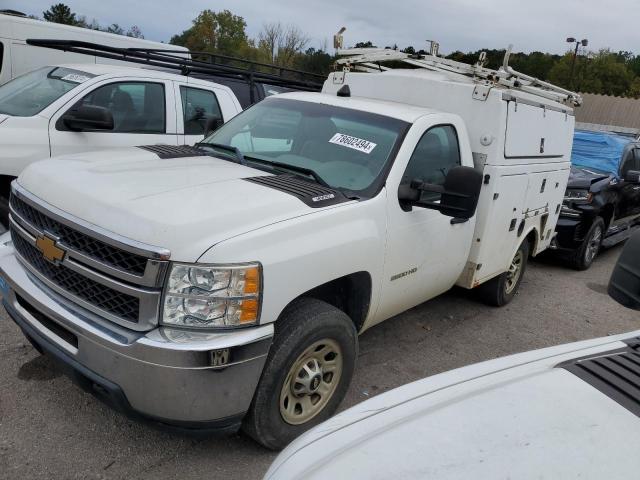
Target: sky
point(466, 25)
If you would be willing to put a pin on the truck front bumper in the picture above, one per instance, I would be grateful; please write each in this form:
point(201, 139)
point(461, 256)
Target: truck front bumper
point(183, 379)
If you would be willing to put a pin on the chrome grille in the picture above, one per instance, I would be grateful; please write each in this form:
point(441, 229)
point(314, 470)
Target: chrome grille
point(114, 277)
point(100, 251)
point(116, 303)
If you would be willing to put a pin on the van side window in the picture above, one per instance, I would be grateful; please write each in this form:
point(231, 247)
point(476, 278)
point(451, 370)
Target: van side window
point(197, 107)
point(1, 56)
point(137, 107)
point(435, 154)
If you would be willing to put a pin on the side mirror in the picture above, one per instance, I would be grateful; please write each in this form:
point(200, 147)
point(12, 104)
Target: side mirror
point(88, 117)
point(459, 193)
point(211, 125)
point(632, 176)
point(624, 286)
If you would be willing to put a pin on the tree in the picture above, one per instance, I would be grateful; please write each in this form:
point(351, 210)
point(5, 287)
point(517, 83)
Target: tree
point(60, 13)
point(280, 44)
point(314, 61)
point(221, 32)
point(366, 44)
point(268, 40)
point(135, 32)
point(634, 89)
point(115, 28)
point(603, 72)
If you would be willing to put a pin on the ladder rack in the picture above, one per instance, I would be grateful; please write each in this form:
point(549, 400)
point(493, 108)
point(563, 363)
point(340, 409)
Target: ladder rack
point(372, 59)
point(198, 64)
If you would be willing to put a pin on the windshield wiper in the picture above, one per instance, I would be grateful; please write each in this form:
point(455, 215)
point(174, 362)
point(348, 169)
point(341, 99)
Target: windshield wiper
point(227, 148)
point(294, 168)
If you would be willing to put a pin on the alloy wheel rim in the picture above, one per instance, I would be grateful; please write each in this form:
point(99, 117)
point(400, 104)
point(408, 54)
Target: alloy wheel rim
point(514, 272)
point(311, 382)
point(593, 246)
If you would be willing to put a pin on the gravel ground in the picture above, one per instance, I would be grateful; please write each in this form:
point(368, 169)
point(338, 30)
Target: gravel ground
point(51, 429)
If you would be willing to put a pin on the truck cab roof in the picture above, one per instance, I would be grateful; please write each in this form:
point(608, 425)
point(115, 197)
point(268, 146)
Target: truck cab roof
point(124, 70)
point(401, 111)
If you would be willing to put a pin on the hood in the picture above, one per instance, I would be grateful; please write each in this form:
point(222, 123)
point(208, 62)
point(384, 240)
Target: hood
point(584, 177)
point(515, 417)
point(183, 204)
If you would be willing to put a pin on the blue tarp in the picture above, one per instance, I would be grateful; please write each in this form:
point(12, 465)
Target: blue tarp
point(599, 150)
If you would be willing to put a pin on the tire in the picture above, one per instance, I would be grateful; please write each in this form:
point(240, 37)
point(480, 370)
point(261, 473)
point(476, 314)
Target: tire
point(4, 212)
point(584, 256)
point(500, 290)
point(304, 324)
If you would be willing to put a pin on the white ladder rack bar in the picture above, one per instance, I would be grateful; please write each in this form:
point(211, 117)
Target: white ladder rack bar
point(369, 59)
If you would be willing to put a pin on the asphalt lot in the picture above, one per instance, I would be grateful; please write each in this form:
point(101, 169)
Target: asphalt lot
point(51, 429)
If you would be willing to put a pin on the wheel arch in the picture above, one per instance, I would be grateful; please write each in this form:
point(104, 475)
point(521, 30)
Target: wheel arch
point(607, 215)
point(349, 293)
point(531, 235)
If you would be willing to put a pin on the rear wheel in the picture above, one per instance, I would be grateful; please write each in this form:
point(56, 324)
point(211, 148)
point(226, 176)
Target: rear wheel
point(306, 375)
point(500, 290)
point(584, 256)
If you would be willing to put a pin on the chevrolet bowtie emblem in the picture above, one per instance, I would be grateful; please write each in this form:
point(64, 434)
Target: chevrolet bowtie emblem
point(49, 249)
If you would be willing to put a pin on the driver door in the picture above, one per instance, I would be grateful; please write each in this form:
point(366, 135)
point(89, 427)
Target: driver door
point(628, 206)
point(143, 113)
point(426, 250)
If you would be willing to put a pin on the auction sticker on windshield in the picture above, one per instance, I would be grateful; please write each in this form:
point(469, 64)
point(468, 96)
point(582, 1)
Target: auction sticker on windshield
point(75, 78)
point(356, 143)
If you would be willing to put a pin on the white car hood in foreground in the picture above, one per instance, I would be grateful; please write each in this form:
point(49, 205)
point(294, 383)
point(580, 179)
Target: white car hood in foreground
point(517, 417)
point(183, 204)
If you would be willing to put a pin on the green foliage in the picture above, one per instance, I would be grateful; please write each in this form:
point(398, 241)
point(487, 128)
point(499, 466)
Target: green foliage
point(603, 72)
point(221, 32)
point(60, 13)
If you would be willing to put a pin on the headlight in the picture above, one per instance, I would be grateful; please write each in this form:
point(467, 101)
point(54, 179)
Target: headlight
point(572, 195)
point(216, 296)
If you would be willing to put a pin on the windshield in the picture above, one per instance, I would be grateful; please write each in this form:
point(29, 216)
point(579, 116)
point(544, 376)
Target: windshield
point(348, 149)
point(31, 93)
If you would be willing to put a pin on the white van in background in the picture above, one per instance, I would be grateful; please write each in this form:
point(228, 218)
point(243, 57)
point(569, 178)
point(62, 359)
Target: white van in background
point(16, 57)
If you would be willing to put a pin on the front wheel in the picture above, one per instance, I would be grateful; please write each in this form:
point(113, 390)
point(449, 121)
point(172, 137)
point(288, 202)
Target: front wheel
point(584, 256)
point(307, 373)
point(500, 290)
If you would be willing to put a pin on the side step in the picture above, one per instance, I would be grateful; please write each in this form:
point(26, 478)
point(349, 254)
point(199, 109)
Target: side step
point(621, 235)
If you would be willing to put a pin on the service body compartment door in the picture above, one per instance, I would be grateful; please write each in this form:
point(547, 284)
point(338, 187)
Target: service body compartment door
point(546, 189)
point(537, 132)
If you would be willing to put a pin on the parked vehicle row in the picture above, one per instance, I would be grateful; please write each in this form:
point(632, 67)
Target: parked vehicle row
point(224, 284)
point(602, 203)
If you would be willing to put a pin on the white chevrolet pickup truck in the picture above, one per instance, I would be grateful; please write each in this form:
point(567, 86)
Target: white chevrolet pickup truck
point(224, 284)
point(63, 109)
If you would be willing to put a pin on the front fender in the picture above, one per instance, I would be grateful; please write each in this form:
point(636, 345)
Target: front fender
point(302, 253)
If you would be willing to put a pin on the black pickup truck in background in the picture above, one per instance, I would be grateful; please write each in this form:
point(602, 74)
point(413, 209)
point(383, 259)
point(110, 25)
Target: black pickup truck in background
point(602, 202)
